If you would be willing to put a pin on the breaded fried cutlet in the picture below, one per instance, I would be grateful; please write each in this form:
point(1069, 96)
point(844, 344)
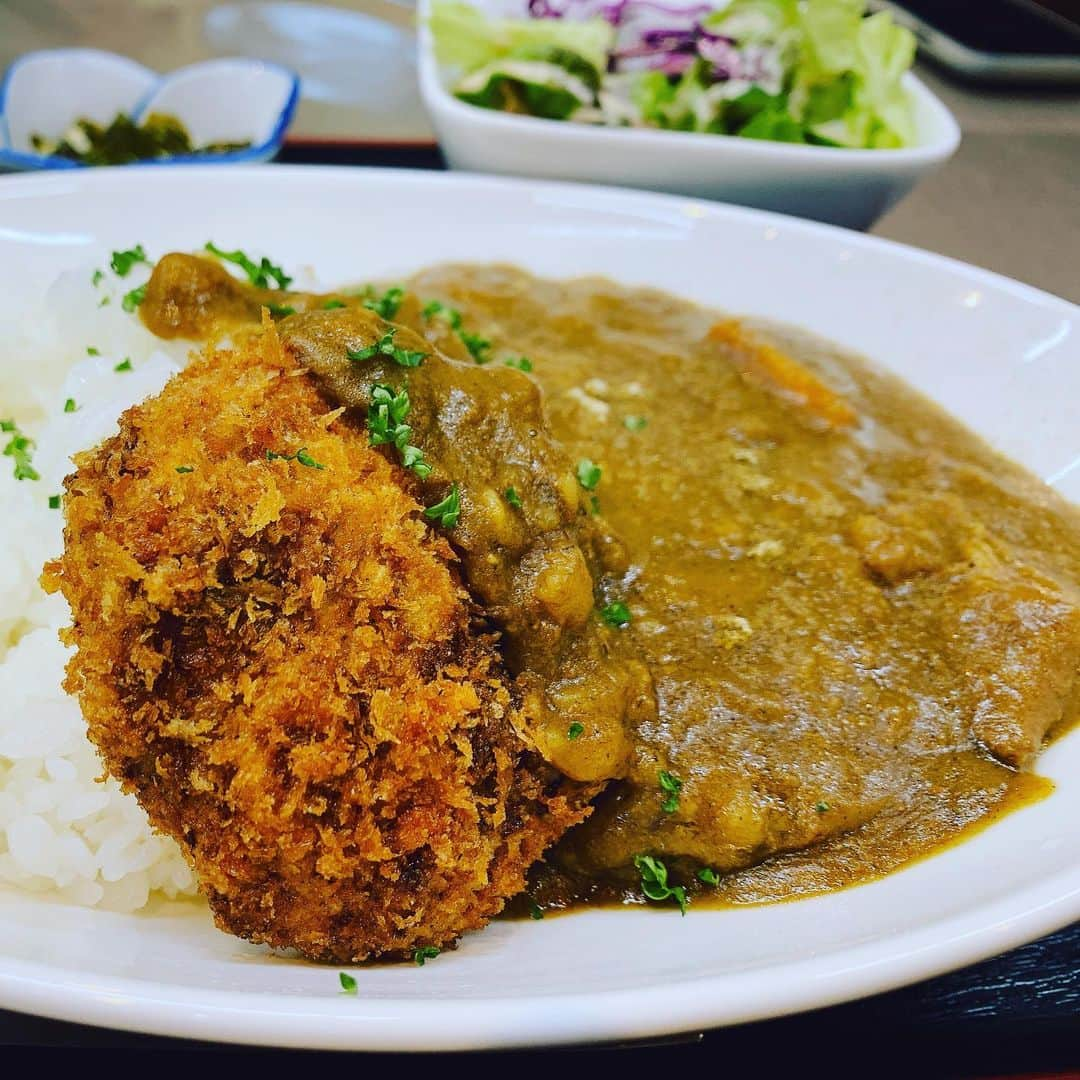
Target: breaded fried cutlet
point(277, 656)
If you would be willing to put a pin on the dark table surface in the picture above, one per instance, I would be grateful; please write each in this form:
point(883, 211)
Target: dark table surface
point(1017, 1014)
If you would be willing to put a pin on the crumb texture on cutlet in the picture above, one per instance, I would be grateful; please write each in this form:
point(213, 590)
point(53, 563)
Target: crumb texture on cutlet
point(281, 662)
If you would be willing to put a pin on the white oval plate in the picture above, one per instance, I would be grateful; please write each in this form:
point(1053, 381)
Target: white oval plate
point(1000, 355)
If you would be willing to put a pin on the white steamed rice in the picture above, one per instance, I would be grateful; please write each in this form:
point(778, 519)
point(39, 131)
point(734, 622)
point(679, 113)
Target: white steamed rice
point(63, 830)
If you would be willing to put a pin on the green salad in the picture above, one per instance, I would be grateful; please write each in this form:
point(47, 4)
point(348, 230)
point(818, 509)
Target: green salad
point(822, 72)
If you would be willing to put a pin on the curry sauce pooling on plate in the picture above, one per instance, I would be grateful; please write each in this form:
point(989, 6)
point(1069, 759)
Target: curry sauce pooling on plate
point(800, 625)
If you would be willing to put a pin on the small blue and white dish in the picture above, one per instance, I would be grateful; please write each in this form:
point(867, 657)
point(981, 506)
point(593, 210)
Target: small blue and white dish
point(218, 101)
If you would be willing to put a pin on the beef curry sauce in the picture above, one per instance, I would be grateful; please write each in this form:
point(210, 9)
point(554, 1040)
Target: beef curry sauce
point(797, 624)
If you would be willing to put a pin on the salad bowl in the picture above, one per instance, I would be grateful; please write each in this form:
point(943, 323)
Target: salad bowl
point(839, 185)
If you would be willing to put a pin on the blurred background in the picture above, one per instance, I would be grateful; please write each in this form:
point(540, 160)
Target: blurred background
point(1009, 190)
point(356, 59)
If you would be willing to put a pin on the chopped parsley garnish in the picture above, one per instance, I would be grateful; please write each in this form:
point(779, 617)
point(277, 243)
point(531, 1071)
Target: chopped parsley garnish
point(671, 785)
point(535, 910)
point(280, 311)
point(588, 474)
point(259, 273)
point(91, 351)
point(54, 502)
point(386, 416)
point(634, 423)
point(104, 300)
point(20, 449)
point(124, 365)
point(132, 299)
point(708, 876)
point(822, 807)
point(97, 277)
point(69, 405)
point(522, 363)
point(301, 457)
point(447, 511)
point(386, 306)
point(575, 731)
point(412, 457)
point(122, 261)
point(387, 427)
point(331, 304)
point(305, 459)
point(423, 954)
point(185, 468)
point(348, 983)
point(616, 614)
point(512, 497)
point(594, 505)
point(479, 347)
point(436, 308)
point(385, 347)
point(654, 882)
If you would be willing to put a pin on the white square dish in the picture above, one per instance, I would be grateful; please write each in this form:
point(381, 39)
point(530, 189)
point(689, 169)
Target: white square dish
point(228, 100)
point(836, 185)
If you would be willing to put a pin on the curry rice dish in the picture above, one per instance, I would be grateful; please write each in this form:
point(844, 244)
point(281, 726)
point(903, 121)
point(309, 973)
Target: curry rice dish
point(396, 605)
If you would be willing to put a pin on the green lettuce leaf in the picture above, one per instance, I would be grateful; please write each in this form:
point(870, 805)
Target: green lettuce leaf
point(828, 101)
point(884, 52)
point(542, 81)
point(846, 87)
point(743, 110)
point(669, 103)
point(509, 95)
point(830, 30)
point(505, 90)
point(774, 124)
point(466, 38)
point(754, 20)
point(654, 95)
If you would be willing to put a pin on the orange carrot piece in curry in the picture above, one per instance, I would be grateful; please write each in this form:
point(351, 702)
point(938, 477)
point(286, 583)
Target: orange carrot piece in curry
point(765, 365)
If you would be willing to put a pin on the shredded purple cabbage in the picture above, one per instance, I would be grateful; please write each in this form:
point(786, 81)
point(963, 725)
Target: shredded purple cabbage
point(615, 12)
point(666, 37)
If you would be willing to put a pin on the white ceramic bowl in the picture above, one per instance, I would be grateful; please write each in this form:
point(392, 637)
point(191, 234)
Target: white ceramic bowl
point(839, 186)
point(230, 100)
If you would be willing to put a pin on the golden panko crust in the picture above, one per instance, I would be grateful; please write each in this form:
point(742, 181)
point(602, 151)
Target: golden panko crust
point(282, 664)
